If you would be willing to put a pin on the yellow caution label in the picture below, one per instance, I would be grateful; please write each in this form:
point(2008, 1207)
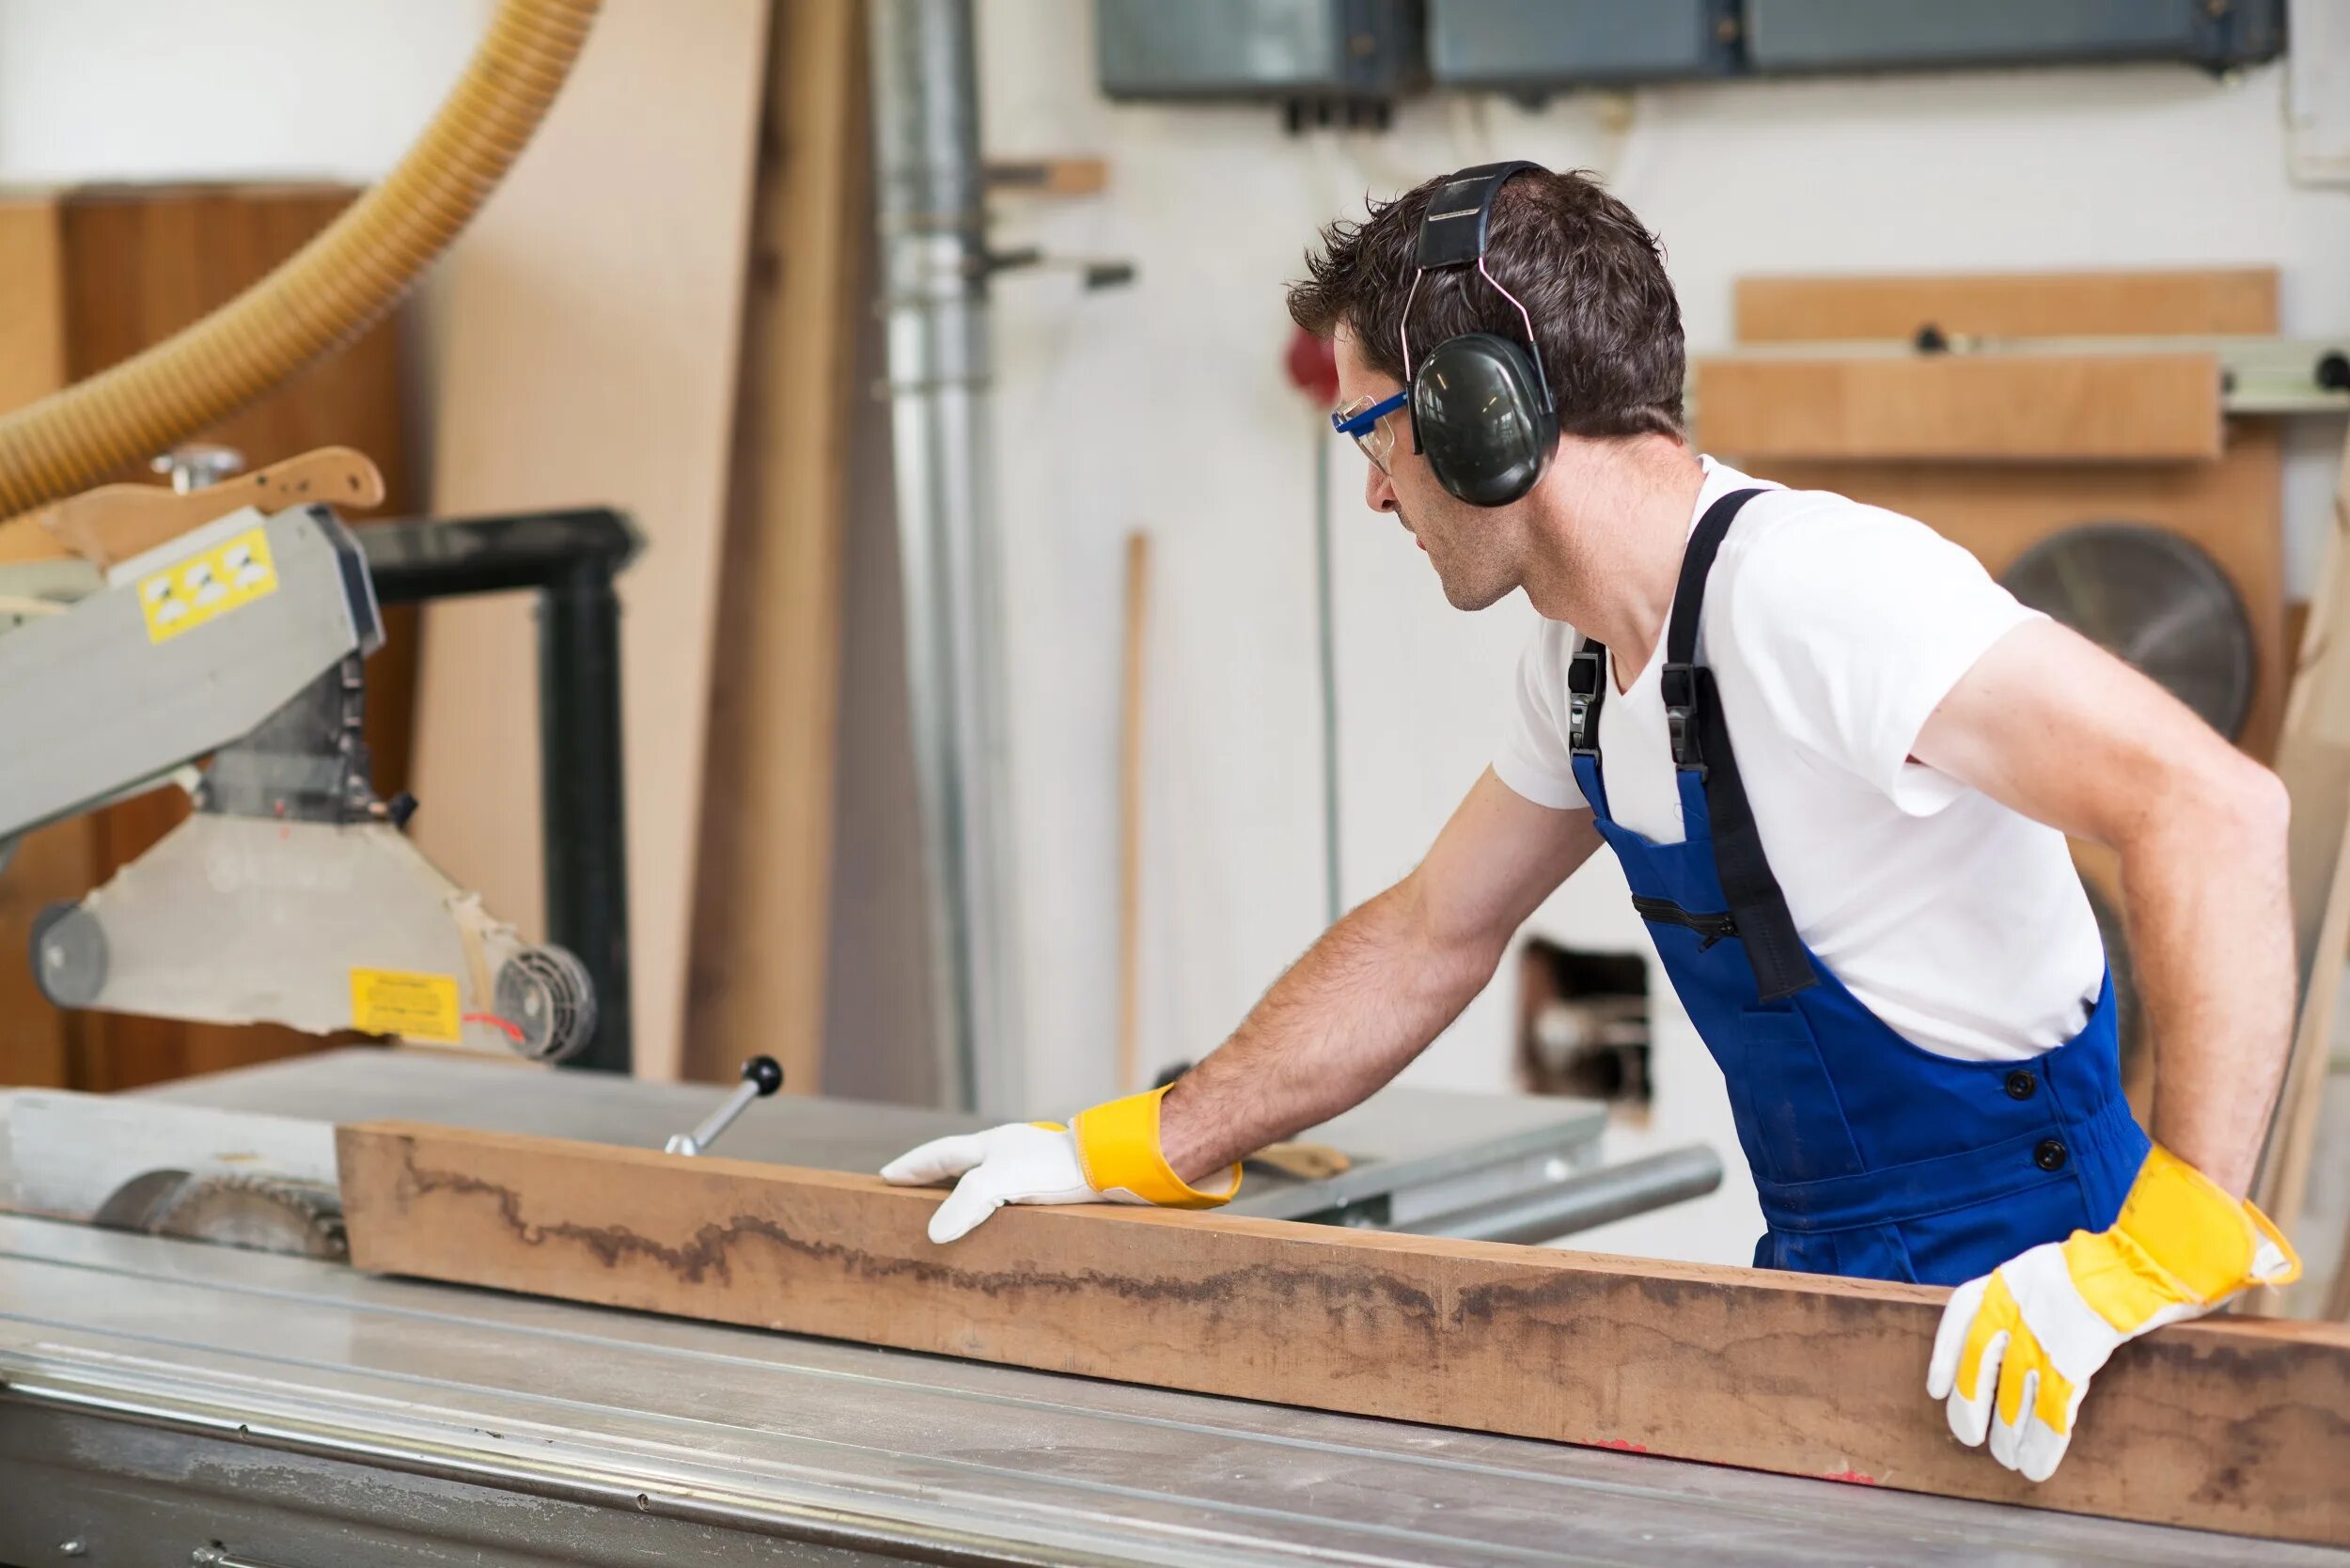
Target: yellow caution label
point(414, 1006)
point(227, 577)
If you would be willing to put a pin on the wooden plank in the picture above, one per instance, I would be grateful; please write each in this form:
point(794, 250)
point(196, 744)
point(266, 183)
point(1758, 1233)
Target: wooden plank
point(761, 896)
point(2232, 509)
point(1998, 408)
point(2013, 304)
point(590, 324)
point(2233, 1424)
point(1057, 176)
point(36, 1040)
point(1131, 733)
point(2313, 760)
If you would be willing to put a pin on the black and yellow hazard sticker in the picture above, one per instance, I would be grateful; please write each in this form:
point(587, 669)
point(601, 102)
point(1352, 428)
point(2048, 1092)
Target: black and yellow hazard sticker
point(205, 586)
point(413, 1005)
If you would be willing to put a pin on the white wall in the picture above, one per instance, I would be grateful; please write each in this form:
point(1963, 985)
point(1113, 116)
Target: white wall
point(158, 89)
point(1165, 407)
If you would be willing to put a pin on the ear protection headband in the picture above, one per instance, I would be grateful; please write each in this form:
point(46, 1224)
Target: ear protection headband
point(1480, 404)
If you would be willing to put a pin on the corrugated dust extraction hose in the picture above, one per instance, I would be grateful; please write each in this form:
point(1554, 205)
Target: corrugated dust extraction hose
point(324, 295)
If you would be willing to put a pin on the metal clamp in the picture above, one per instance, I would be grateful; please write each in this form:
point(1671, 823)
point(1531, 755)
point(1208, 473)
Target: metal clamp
point(761, 1077)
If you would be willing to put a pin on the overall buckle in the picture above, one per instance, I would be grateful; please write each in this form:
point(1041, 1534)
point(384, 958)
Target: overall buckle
point(1679, 688)
point(1583, 678)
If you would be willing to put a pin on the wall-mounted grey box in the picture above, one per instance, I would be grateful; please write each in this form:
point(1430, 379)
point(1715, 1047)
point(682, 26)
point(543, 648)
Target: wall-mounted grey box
point(1538, 45)
point(1260, 49)
point(1885, 35)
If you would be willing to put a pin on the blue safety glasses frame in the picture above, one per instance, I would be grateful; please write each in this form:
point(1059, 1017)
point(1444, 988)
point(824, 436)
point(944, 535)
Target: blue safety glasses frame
point(1360, 419)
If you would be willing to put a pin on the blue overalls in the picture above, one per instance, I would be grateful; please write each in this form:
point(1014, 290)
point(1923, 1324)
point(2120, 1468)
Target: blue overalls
point(1872, 1156)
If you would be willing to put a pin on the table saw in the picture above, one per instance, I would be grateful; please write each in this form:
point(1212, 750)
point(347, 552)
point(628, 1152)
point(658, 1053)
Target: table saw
point(166, 1402)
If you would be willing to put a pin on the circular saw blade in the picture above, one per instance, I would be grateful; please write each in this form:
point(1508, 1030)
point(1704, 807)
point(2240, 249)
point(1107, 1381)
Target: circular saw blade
point(2155, 600)
point(257, 1211)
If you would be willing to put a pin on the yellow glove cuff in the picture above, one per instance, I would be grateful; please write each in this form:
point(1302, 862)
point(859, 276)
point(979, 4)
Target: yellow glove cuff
point(1117, 1144)
point(2187, 1240)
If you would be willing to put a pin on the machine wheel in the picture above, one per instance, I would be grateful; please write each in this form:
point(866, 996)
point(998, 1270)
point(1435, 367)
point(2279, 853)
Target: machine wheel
point(546, 994)
point(69, 955)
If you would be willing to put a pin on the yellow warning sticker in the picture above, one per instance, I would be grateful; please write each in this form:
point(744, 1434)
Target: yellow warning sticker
point(203, 587)
point(414, 1006)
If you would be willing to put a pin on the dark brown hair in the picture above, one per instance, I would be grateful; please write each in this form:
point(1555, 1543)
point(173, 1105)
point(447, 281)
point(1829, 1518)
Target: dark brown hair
point(1591, 278)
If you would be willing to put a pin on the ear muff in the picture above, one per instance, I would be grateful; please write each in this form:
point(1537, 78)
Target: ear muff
point(1480, 414)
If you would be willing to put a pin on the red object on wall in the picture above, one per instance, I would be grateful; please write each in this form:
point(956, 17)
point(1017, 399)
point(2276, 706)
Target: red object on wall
point(1313, 365)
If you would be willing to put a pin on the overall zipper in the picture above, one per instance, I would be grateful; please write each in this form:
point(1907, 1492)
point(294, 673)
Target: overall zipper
point(1664, 912)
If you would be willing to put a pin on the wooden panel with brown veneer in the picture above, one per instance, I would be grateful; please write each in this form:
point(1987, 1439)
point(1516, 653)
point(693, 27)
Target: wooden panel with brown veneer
point(2007, 305)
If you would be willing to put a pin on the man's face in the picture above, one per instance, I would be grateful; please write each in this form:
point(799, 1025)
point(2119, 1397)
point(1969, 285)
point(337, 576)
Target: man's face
point(1474, 551)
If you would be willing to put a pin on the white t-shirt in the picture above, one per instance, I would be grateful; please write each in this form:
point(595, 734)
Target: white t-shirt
point(1832, 630)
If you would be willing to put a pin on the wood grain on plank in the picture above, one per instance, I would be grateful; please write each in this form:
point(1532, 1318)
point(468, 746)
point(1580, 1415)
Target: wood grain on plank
point(2230, 1425)
point(2011, 304)
point(1996, 408)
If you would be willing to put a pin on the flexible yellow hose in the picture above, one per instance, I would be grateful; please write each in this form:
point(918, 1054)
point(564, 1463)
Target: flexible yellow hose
point(325, 294)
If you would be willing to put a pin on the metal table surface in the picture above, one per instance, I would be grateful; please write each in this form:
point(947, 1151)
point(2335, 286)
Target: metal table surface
point(162, 1399)
point(1417, 1151)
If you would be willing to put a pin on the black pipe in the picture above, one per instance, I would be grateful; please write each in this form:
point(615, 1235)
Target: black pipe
point(571, 558)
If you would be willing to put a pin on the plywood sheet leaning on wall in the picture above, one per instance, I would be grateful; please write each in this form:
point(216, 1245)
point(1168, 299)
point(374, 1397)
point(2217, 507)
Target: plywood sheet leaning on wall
point(761, 894)
point(590, 326)
point(2231, 1425)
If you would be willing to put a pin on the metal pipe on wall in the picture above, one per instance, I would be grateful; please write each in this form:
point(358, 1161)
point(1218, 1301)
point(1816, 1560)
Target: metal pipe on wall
point(929, 204)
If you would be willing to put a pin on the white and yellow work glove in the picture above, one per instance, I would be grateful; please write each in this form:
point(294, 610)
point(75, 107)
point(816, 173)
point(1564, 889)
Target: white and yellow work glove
point(1110, 1154)
point(2034, 1330)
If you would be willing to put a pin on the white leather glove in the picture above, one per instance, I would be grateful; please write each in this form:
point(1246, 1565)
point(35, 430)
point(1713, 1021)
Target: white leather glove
point(2017, 1347)
point(1110, 1155)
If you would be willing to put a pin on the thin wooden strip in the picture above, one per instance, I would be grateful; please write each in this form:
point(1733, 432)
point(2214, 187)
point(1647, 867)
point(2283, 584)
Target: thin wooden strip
point(2103, 408)
point(2231, 1425)
point(2031, 304)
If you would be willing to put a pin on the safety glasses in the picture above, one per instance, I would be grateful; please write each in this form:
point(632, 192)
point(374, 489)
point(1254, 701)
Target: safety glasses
point(1360, 419)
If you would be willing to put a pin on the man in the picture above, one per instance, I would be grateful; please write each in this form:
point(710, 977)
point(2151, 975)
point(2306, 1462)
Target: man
point(1838, 764)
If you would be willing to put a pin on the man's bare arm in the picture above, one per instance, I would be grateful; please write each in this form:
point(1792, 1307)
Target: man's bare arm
point(1379, 985)
point(2055, 728)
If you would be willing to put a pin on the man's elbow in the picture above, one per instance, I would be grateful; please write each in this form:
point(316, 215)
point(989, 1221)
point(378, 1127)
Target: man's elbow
point(2233, 801)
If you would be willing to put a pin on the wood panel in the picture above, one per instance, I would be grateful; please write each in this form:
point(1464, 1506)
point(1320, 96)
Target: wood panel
point(2231, 508)
point(590, 324)
point(2313, 760)
point(89, 276)
point(2235, 1425)
point(36, 1041)
point(761, 896)
point(2019, 408)
point(2021, 304)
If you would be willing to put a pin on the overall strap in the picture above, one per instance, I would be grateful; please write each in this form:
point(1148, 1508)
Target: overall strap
point(1700, 744)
